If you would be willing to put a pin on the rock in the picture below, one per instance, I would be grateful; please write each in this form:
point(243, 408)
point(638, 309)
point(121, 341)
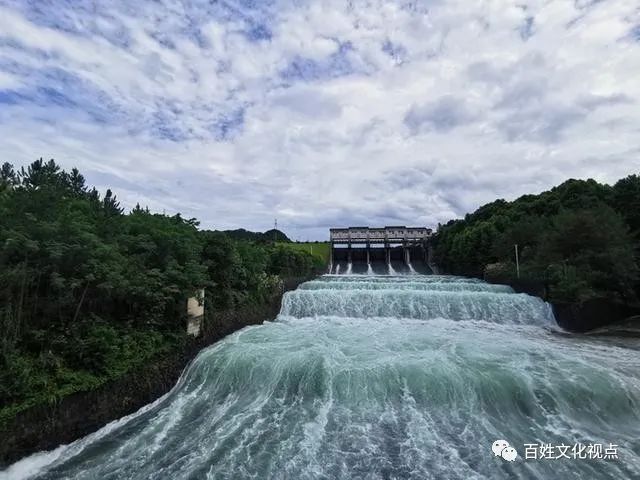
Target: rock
point(592, 314)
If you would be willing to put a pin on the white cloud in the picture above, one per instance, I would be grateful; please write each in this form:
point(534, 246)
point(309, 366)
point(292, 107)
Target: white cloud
point(331, 113)
point(8, 81)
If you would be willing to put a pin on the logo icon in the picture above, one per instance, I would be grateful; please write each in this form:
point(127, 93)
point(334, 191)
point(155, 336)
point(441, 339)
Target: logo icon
point(501, 448)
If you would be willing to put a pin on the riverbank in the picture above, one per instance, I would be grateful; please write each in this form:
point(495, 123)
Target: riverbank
point(577, 317)
point(45, 427)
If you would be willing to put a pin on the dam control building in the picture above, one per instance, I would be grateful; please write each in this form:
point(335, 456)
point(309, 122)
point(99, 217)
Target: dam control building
point(385, 244)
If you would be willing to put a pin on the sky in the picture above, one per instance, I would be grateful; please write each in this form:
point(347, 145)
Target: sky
point(322, 113)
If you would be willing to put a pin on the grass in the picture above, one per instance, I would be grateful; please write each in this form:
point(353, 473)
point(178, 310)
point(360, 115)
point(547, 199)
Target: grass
point(320, 249)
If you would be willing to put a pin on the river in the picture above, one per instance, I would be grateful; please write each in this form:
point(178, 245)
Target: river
point(382, 377)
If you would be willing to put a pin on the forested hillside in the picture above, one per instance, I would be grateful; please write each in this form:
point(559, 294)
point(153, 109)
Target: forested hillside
point(265, 237)
point(88, 292)
point(582, 239)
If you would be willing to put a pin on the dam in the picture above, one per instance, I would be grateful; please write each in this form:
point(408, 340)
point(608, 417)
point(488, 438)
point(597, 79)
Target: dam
point(390, 249)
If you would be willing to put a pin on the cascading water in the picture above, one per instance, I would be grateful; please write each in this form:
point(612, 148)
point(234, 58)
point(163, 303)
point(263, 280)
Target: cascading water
point(380, 377)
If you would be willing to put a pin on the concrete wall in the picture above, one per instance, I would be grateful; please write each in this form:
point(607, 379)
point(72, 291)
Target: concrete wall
point(377, 254)
point(195, 305)
point(195, 314)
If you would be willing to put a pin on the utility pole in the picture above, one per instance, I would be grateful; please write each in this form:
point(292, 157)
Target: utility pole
point(275, 230)
point(517, 261)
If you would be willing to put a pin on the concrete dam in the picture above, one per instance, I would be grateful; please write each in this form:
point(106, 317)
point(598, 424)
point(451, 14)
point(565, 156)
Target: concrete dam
point(391, 249)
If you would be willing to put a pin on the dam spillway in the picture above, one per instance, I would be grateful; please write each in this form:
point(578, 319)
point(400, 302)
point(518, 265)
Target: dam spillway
point(386, 250)
point(379, 377)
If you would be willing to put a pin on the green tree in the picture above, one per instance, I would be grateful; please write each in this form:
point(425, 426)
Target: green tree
point(580, 237)
point(626, 200)
point(594, 245)
point(88, 292)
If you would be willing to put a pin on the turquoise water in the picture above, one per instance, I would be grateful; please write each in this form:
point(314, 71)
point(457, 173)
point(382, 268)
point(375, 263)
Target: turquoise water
point(379, 377)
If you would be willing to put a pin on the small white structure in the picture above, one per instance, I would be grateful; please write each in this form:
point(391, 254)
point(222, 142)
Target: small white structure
point(195, 313)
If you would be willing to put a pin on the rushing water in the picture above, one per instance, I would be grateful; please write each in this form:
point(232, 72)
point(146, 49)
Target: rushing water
point(380, 377)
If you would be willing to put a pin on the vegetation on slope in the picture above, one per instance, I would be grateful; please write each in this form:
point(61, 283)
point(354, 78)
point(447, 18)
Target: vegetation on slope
point(582, 239)
point(320, 250)
point(88, 292)
point(272, 235)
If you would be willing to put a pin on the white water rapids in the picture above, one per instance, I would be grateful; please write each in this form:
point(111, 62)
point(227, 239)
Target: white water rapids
point(379, 377)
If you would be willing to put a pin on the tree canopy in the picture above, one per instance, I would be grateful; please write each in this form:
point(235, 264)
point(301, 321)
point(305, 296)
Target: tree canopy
point(269, 236)
point(87, 291)
point(581, 238)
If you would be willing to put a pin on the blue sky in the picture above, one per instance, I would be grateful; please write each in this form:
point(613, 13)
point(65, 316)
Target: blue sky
point(322, 113)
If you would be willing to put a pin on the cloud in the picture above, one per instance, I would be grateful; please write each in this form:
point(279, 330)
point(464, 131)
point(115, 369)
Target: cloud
point(396, 51)
point(540, 124)
point(527, 28)
point(309, 103)
point(443, 115)
point(591, 102)
point(321, 113)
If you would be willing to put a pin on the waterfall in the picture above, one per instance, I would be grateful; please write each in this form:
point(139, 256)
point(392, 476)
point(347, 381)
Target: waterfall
point(487, 305)
point(405, 377)
point(369, 269)
point(349, 268)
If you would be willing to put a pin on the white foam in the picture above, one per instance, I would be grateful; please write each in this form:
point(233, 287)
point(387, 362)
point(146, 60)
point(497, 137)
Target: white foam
point(347, 384)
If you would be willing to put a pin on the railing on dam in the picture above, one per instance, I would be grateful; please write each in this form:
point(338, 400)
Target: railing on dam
point(379, 235)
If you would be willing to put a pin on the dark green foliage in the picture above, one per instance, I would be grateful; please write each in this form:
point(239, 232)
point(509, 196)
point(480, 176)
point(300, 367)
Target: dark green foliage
point(269, 236)
point(580, 239)
point(237, 271)
point(275, 236)
point(8, 176)
point(88, 292)
point(285, 261)
point(626, 200)
point(595, 247)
